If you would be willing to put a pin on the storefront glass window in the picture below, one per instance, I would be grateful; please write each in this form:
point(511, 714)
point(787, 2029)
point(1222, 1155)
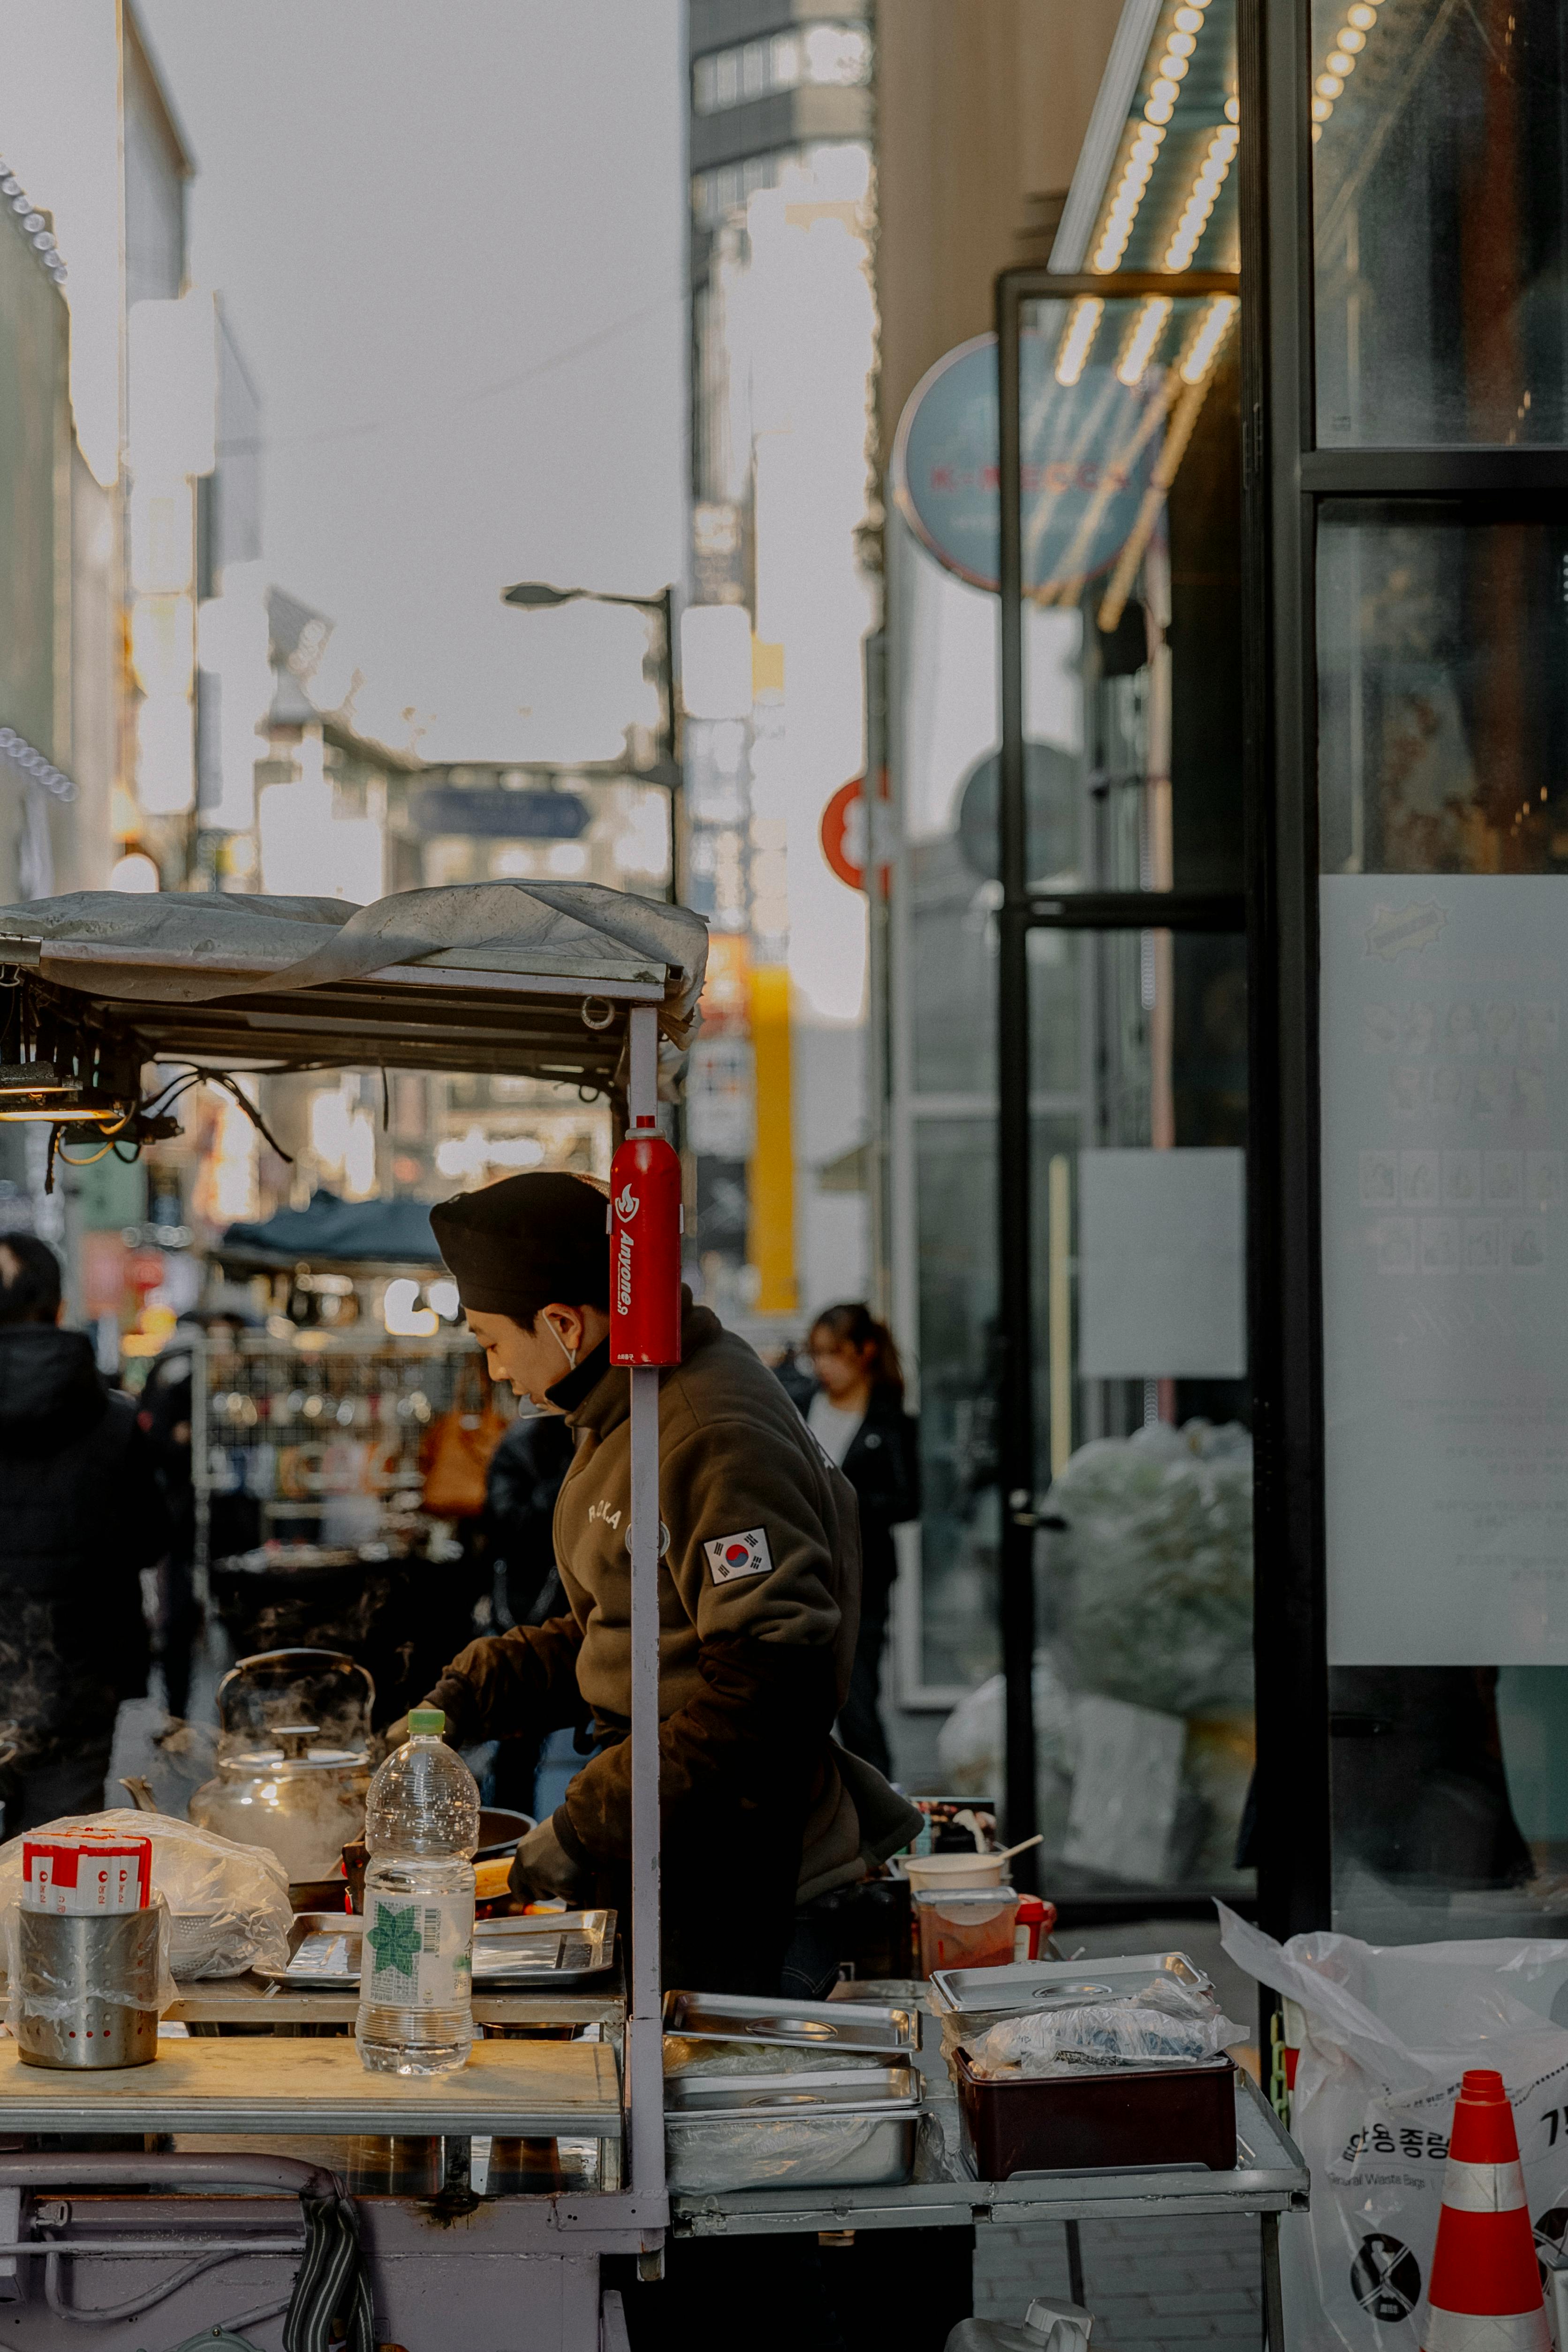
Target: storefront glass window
point(1137, 1087)
point(1441, 645)
point(1440, 188)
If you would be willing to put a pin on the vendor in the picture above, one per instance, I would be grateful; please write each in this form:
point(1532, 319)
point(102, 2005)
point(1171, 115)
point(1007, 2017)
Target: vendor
point(759, 1605)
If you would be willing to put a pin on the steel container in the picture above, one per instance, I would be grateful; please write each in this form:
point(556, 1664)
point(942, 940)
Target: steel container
point(87, 1988)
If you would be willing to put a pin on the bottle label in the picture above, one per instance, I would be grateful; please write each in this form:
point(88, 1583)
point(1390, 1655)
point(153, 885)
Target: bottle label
point(418, 1950)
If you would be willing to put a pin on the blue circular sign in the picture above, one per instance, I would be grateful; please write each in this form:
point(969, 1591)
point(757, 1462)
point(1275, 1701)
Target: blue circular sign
point(1089, 453)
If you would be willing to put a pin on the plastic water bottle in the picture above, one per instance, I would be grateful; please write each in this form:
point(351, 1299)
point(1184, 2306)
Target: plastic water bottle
point(421, 1826)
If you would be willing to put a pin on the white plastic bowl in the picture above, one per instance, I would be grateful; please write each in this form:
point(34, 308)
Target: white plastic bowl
point(947, 1873)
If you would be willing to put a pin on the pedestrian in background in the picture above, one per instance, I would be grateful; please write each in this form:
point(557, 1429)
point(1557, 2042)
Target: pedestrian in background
point(83, 1513)
point(524, 1478)
point(857, 1414)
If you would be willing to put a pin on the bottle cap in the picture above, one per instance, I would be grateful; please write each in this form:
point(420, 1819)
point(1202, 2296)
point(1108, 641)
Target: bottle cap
point(426, 1723)
point(1030, 1907)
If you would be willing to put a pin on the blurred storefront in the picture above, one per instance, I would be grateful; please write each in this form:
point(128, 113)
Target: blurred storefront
point(1222, 1122)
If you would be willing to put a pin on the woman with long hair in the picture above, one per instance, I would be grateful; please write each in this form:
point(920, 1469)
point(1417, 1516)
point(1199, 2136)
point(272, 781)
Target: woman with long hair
point(857, 1414)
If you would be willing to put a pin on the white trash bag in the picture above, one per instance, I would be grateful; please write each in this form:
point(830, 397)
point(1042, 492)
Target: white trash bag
point(228, 1904)
point(1388, 2031)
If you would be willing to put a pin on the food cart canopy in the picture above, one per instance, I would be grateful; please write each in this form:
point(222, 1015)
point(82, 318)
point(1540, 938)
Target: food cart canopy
point(528, 979)
point(329, 1232)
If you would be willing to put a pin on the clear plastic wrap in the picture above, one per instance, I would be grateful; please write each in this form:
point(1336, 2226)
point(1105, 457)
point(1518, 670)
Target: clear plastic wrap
point(731, 2150)
point(1157, 2024)
point(67, 1962)
point(703, 2059)
point(228, 1904)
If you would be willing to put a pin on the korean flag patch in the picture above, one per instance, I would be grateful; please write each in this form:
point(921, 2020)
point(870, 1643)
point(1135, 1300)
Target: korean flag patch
point(730, 1557)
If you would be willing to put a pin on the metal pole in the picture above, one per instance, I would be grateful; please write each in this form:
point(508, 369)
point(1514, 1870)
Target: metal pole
point(1015, 1434)
point(672, 750)
point(644, 2047)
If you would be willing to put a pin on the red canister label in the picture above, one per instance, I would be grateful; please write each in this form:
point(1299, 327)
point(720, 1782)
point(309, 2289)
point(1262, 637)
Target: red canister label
point(644, 1252)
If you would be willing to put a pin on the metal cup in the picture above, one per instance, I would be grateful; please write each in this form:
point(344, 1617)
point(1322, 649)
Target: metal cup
point(87, 1989)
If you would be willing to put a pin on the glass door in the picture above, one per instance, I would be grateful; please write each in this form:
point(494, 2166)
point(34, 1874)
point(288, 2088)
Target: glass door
point(1124, 1437)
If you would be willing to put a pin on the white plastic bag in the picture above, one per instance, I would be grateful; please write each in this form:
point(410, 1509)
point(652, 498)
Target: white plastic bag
point(228, 1904)
point(1388, 2032)
point(1159, 2024)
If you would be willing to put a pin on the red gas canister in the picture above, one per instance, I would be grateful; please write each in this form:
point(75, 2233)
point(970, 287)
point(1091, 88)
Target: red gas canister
point(645, 1250)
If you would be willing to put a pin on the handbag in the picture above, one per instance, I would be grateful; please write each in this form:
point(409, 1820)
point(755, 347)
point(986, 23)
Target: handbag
point(456, 1454)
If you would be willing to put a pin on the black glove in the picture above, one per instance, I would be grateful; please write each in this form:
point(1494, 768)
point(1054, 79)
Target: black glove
point(550, 1862)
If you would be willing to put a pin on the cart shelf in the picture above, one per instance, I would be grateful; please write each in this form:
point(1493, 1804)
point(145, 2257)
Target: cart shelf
point(269, 2082)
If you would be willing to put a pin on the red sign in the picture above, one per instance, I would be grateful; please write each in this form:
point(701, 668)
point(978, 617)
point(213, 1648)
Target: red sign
point(846, 828)
point(644, 1252)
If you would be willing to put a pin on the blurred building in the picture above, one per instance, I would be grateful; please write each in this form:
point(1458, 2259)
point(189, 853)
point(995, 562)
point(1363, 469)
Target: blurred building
point(784, 584)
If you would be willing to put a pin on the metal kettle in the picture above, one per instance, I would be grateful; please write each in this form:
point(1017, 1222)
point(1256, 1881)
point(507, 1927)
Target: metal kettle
point(293, 1759)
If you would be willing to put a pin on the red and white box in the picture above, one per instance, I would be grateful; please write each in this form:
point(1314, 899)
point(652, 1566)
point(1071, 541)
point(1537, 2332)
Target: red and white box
point(86, 1874)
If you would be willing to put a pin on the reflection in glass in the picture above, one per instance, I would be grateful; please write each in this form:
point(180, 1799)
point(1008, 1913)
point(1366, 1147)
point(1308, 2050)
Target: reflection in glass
point(1145, 1555)
point(1442, 693)
point(1129, 412)
point(1440, 151)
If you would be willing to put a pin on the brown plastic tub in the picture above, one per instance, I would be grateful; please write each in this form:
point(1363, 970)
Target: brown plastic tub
point(1075, 2123)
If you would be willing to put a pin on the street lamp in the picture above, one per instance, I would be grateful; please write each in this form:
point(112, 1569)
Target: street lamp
point(540, 597)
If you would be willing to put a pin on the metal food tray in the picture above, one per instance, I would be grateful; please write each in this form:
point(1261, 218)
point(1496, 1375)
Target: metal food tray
point(1060, 1984)
point(554, 1950)
point(835, 2088)
point(792, 2024)
point(720, 2150)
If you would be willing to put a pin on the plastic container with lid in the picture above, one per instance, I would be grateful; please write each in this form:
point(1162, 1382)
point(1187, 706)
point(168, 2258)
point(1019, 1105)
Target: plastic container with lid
point(966, 1929)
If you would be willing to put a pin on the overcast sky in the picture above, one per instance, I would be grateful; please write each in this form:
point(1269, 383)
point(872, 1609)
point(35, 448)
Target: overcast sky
point(450, 243)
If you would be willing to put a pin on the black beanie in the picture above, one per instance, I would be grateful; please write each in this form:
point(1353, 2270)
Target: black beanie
point(525, 1242)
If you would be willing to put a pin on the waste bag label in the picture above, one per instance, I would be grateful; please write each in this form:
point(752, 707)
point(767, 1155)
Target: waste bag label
point(1385, 2277)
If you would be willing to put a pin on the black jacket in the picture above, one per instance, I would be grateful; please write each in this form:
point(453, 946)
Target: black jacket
point(82, 1514)
point(883, 1466)
point(521, 1486)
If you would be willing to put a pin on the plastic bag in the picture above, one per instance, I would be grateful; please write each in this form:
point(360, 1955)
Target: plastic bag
point(1158, 2025)
point(796, 2151)
point(1386, 2034)
point(682, 2057)
point(151, 1988)
point(228, 1904)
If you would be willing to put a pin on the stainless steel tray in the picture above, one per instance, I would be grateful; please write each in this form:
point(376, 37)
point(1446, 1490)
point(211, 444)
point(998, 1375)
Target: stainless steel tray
point(1060, 1984)
point(855, 2087)
point(792, 2024)
point(556, 1950)
point(826, 2148)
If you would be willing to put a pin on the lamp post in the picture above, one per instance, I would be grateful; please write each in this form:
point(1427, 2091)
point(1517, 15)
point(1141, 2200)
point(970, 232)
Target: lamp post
point(539, 596)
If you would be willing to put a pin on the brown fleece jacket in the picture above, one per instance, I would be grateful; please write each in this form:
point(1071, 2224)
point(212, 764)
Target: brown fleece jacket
point(759, 1606)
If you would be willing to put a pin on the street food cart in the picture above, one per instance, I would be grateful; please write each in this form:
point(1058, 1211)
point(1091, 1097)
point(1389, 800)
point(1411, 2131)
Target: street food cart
point(244, 2115)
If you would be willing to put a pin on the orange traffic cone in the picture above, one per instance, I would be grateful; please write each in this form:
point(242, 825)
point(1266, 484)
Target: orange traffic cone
point(1485, 2294)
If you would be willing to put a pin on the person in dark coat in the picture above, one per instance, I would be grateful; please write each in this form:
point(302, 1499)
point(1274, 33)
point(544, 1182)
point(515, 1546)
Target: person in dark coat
point(857, 1414)
point(83, 1514)
point(521, 1486)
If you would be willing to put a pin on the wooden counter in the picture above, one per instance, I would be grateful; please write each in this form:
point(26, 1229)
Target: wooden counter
point(275, 2083)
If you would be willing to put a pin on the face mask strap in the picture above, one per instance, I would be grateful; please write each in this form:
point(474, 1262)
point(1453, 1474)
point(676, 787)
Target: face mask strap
point(570, 1353)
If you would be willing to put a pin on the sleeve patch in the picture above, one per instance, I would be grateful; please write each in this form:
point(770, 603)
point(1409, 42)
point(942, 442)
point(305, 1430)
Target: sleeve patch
point(731, 1556)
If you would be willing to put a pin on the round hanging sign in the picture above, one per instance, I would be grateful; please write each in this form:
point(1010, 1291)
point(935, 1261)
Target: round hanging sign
point(846, 828)
point(1088, 454)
